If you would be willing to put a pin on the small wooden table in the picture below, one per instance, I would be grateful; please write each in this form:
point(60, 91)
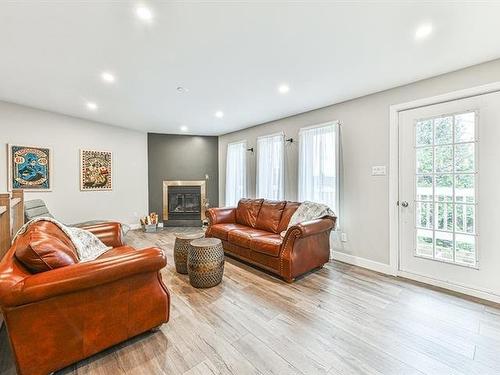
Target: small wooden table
point(181, 247)
point(205, 262)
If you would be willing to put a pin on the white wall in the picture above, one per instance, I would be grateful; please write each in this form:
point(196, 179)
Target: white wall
point(364, 213)
point(66, 136)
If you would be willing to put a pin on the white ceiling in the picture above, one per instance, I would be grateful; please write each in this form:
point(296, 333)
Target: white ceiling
point(230, 55)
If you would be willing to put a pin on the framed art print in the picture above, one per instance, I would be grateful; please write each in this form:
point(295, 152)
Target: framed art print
point(30, 168)
point(96, 170)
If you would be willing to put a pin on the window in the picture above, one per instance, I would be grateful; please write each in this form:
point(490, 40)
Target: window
point(270, 166)
point(445, 188)
point(236, 172)
point(318, 165)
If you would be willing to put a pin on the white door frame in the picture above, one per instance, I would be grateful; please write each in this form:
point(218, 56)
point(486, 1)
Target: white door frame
point(394, 182)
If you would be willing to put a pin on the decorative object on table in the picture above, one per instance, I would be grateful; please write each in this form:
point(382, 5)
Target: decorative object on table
point(96, 170)
point(150, 223)
point(205, 262)
point(30, 168)
point(181, 247)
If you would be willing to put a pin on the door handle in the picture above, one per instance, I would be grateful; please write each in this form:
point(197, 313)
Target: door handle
point(404, 204)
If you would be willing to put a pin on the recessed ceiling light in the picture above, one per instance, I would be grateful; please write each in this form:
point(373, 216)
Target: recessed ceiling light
point(184, 128)
point(92, 106)
point(283, 89)
point(108, 77)
point(144, 13)
point(423, 31)
point(219, 114)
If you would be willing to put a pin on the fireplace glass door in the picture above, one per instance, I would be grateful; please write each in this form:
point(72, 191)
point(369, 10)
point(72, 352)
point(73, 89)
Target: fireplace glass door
point(184, 200)
point(176, 202)
point(191, 203)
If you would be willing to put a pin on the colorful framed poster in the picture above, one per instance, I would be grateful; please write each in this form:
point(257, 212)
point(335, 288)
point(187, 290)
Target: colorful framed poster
point(96, 170)
point(30, 168)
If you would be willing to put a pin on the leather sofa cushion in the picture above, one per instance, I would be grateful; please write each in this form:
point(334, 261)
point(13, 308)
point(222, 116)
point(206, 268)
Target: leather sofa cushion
point(270, 215)
point(221, 231)
point(269, 245)
point(248, 211)
point(242, 237)
point(288, 212)
point(43, 247)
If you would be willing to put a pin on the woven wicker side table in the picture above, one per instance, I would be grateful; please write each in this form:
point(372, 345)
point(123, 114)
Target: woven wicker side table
point(181, 247)
point(205, 262)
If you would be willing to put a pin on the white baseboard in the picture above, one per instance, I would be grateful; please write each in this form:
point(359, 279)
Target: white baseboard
point(362, 262)
point(386, 269)
point(452, 286)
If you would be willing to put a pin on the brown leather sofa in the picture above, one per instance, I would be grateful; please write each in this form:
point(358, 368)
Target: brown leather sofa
point(251, 232)
point(58, 311)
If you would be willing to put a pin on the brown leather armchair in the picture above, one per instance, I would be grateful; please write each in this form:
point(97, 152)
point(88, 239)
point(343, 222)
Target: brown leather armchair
point(58, 310)
point(251, 232)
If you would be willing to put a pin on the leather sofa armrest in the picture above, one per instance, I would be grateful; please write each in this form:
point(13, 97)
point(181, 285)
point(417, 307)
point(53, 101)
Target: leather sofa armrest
point(221, 215)
point(85, 275)
point(305, 247)
point(110, 233)
point(303, 230)
point(309, 228)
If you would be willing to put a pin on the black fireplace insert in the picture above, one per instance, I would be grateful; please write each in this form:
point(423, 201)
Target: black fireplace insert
point(184, 203)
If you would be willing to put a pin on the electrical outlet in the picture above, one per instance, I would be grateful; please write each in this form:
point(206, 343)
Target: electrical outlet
point(379, 170)
point(343, 237)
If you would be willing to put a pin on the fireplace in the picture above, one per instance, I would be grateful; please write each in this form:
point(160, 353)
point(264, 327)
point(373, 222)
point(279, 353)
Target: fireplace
point(183, 203)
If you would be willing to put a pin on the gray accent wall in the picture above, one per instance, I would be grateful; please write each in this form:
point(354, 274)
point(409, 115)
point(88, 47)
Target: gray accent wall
point(181, 157)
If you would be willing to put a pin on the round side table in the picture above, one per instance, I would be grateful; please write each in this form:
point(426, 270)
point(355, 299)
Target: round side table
point(205, 262)
point(181, 247)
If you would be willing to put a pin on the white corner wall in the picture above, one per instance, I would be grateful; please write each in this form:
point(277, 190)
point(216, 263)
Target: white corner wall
point(364, 199)
point(66, 136)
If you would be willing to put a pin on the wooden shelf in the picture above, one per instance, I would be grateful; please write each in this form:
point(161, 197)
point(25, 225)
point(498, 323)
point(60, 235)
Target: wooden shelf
point(14, 202)
point(11, 217)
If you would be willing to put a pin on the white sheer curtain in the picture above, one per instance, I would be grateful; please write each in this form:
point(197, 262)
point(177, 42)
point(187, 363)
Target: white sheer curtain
point(270, 166)
point(236, 172)
point(318, 160)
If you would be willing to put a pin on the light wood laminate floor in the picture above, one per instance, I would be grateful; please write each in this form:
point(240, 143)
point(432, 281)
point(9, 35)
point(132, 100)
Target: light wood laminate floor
point(339, 320)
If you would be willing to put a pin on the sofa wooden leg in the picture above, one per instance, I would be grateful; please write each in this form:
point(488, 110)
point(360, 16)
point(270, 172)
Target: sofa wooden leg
point(155, 329)
point(289, 280)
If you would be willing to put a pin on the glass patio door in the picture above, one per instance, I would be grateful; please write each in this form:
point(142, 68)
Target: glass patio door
point(448, 182)
point(445, 188)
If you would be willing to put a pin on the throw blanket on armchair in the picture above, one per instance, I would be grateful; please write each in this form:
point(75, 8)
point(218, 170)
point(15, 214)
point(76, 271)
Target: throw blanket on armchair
point(309, 211)
point(88, 246)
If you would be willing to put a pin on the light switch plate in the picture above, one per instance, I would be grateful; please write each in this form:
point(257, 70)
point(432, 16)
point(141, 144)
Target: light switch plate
point(379, 170)
point(343, 237)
